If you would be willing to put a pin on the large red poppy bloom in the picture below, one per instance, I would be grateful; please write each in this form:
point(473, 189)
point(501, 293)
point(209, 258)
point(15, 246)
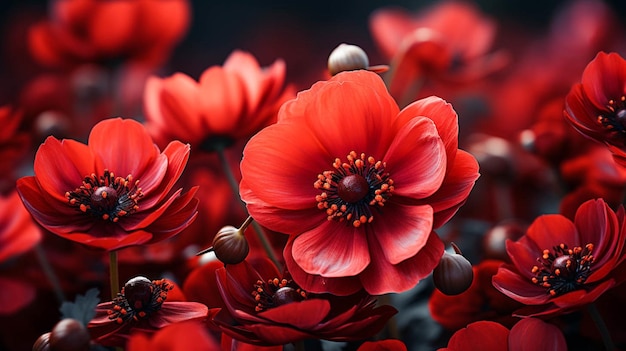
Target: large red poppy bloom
point(559, 265)
point(80, 31)
point(596, 106)
point(228, 103)
point(141, 307)
point(358, 184)
point(112, 193)
point(271, 309)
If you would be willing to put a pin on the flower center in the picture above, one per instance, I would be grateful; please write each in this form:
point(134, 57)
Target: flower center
point(276, 292)
point(563, 270)
point(351, 190)
point(107, 197)
point(139, 298)
point(615, 118)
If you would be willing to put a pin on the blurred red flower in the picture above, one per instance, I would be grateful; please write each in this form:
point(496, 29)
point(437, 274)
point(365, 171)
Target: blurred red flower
point(181, 336)
point(81, 31)
point(383, 345)
point(141, 307)
point(448, 41)
point(271, 309)
point(228, 103)
point(77, 191)
point(527, 334)
point(559, 265)
point(364, 221)
point(13, 146)
point(596, 106)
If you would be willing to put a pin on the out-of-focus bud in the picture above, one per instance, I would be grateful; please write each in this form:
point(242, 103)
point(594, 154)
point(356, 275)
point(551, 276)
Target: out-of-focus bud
point(347, 57)
point(230, 245)
point(454, 273)
point(42, 343)
point(69, 335)
point(494, 240)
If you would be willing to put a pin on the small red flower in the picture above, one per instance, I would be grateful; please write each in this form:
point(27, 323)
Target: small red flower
point(228, 103)
point(271, 309)
point(361, 187)
point(112, 193)
point(559, 265)
point(596, 106)
point(81, 31)
point(141, 307)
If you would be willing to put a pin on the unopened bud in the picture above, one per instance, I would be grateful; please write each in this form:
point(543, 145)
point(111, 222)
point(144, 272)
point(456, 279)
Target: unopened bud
point(230, 245)
point(69, 335)
point(346, 57)
point(42, 343)
point(454, 273)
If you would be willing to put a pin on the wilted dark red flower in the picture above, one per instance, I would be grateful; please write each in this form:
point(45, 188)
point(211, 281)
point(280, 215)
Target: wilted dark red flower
point(361, 187)
point(596, 106)
point(113, 192)
point(271, 309)
point(80, 31)
point(141, 307)
point(559, 265)
point(527, 334)
point(228, 103)
point(181, 336)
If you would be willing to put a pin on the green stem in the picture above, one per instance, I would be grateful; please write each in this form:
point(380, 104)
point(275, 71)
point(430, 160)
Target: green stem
point(49, 273)
point(599, 322)
point(113, 274)
point(235, 188)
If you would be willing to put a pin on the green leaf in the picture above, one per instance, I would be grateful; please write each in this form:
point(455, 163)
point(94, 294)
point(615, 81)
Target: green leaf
point(83, 308)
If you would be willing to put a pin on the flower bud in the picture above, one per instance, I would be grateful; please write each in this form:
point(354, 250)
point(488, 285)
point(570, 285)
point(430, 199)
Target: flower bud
point(69, 335)
point(230, 245)
point(347, 57)
point(454, 273)
point(42, 343)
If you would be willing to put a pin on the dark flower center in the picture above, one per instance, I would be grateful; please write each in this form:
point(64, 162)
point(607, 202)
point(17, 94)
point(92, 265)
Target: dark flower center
point(276, 292)
point(351, 190)
point(139, 298)
point(615, 117)
point(563, 270)
point(107, 197)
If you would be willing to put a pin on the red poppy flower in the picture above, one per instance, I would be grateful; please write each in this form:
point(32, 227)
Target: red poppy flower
point(140, 307)
point(80, 31)
point(480, 302)
point(361, 186)
point(112, 193)
point(228, 103)
point(559, 265)
point(271, 309)
point(181, 336)
point(447, 41)
point(596, 106)
point(527, 334)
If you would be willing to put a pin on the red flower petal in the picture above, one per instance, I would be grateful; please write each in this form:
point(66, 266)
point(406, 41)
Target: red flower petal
point(483, 335)
point(604, 79)
point(304, 315)
point(223, 100)
point(332, 250)
point(382, 277)
point(519, 288)
point(532, 334)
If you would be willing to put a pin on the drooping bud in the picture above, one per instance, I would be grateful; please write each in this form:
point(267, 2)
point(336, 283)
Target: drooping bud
point(230, 245)
point(454, 273)
point(346, 57)
point(69, 335)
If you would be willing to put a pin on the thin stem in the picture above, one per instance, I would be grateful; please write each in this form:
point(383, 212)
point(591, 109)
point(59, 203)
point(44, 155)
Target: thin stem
point(599, 322)
point(113, 274)
point(49, 273)
point(235, 188)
